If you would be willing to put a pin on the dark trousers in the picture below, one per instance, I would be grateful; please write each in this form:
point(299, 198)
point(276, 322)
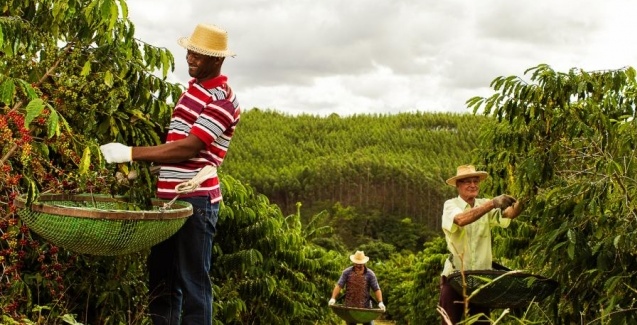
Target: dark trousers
point(453, 304)
point(179, 284)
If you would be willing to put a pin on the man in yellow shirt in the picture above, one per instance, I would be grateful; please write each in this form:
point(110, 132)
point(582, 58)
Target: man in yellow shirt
point(467, 222)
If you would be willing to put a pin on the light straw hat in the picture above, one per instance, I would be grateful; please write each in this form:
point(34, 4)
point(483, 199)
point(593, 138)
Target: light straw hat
point(207, 40)
point(466, 171)
point(359, 258)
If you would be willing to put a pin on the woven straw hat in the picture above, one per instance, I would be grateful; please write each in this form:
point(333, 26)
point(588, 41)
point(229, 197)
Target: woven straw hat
point(359, 258)
point(207, 40)
point(466, 171)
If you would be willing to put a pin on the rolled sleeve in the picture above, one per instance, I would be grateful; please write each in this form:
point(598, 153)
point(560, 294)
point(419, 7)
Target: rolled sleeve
point(450, 211)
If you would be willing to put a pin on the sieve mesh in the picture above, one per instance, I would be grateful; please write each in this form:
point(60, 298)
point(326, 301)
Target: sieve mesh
point(100, 224)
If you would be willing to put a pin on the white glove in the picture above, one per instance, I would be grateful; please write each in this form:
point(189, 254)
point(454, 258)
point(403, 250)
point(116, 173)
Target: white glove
point(116, 153)
point(381, 305)
point(331, 302)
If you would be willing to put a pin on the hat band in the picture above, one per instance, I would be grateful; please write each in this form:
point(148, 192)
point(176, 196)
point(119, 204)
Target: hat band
point(185, 42)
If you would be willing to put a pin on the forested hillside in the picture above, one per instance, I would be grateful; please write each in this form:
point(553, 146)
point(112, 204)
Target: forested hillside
point(383, 165)
point(74, 76)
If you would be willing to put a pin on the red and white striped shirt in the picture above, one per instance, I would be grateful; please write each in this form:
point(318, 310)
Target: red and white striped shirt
point(210, 111)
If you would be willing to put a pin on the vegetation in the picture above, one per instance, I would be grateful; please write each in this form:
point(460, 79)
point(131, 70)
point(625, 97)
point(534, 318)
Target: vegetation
point(565, 145)
point(302, 192)
point(72, 77)
point(377, 177)
point(393, 164)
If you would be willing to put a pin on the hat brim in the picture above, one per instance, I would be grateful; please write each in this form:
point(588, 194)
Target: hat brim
point(356, 261)
point(482, 175)
point(187, 44)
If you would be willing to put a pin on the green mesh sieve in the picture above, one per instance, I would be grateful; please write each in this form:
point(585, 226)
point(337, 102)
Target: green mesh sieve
point(356, 315)
point(513, 290)
point(100, 224)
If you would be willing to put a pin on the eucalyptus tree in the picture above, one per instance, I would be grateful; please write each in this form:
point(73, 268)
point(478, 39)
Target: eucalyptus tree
point(564, 143)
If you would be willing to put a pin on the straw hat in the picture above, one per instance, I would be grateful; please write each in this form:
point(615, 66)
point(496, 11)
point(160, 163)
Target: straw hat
point(359, 258)
point(207, 40)
point(466, 171)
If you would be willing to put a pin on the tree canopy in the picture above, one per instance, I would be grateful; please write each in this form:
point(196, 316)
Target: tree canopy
point(564, 143)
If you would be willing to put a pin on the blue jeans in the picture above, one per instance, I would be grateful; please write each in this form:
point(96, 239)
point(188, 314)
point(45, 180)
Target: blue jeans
point(178, 268)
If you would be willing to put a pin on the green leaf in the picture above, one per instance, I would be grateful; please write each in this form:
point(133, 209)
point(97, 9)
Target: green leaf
point(165, 64)
point(32, 191)
point(70, 319)
point(34, 109)
point(7, 91)
point(108, 79)
point(85, 162)
point(124, 8)
point(114, 15)
point(41, 148)
point(52, 125)
point(616, 241)
point(86, 69)
point(28, 89)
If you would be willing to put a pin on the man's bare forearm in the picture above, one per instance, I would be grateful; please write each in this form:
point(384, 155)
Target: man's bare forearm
point(473, 214)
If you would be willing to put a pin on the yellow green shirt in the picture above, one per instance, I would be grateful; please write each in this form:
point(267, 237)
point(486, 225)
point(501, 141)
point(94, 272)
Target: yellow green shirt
point(471, 242)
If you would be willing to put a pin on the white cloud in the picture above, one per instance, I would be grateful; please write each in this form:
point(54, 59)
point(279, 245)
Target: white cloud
point(387, 56)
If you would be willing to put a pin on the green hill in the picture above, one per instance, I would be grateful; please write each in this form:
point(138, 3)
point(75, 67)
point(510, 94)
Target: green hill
point(394, 165)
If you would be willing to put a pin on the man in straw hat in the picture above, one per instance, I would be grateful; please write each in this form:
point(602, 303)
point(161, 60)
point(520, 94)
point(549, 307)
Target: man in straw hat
point(466, 222)
point(358, 279)
point(202, 125)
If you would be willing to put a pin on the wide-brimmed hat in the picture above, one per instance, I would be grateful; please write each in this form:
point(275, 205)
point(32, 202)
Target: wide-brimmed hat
point(207, 40)
point(359, 258)
point(466, 171)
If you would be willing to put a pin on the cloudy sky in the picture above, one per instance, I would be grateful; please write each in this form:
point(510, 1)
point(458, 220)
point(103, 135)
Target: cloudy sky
point(387, 56)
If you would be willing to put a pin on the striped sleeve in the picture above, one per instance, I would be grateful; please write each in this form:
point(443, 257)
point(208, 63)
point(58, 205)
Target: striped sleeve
point(215, 119)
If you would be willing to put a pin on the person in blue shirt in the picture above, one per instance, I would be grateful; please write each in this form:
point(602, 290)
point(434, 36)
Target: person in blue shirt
point(358, 279)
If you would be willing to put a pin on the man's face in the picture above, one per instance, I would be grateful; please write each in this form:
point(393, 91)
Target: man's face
point(359, 267)
point(468, 188)
point(203, 67)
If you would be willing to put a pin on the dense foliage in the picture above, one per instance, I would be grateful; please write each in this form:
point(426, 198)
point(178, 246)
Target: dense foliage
point(378, 176)
point(301, 193)
point(565, 144)
point(73, 76)
point(390, 163)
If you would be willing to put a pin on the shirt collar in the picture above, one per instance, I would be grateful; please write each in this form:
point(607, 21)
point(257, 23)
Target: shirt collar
point(210, 83)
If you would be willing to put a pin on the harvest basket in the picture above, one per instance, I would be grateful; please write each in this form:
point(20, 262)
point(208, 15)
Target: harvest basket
point(101, 224)
point(512, 290)
point(356, 315)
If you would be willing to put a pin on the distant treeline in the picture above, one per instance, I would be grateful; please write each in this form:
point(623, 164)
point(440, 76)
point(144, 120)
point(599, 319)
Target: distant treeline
point(394, 165)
